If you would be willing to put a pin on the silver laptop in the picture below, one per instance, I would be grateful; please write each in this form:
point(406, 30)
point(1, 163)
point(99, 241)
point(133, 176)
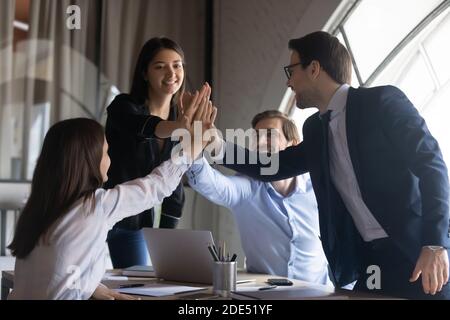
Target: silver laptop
point(180, 255)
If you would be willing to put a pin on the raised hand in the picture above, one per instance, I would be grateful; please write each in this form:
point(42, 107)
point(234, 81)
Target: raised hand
point(186, 108)
point(185, 100)
point(189, 103)
point(203, 121)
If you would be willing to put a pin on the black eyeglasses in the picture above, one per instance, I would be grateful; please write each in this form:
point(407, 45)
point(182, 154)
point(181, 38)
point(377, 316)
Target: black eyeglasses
point(288, 69)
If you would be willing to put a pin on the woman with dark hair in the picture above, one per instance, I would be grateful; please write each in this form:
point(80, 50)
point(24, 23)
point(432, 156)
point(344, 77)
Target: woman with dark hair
point(138, 130)
point(60, 236)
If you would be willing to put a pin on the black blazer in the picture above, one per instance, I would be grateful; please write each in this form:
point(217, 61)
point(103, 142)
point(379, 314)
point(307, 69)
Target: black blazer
point(134, 153)
point(400, 171)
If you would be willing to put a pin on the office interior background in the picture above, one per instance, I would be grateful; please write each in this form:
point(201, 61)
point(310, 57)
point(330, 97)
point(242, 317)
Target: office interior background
point(50, 73)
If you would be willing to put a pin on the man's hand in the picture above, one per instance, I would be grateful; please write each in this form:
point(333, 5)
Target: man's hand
point(433, 266)
point(104, 293)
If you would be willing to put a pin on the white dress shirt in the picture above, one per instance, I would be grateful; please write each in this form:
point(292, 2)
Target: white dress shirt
point(342, 172)
point(72, 265)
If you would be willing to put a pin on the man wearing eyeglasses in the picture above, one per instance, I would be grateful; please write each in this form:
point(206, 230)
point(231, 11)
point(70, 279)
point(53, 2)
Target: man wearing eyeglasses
point(378, 174)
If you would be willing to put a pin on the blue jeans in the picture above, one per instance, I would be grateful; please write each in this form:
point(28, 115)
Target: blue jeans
point(127, 248)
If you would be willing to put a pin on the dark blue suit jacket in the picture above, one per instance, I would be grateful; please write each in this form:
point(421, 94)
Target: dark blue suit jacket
point(400, 171)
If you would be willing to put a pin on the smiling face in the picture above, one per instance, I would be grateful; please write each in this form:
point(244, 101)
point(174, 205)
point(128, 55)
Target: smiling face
point(272, 138)
point(302, 83)
point(165, 73)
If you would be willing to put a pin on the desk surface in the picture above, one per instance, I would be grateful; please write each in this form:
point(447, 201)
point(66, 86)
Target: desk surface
point(258, 280)
point(300, 289)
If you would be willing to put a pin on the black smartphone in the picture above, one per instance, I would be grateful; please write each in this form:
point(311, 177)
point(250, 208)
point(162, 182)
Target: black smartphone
point(280, 282)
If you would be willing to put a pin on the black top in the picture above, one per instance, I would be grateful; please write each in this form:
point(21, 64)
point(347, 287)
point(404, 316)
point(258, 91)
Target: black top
point(134, 153)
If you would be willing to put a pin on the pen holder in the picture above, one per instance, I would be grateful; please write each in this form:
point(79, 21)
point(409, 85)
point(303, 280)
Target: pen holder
point(224, 278)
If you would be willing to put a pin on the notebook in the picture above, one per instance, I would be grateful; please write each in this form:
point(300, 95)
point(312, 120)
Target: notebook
point(158, 290)
point(139, 271)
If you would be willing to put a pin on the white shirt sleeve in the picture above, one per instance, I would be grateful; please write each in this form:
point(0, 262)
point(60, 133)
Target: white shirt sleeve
point(135, 196)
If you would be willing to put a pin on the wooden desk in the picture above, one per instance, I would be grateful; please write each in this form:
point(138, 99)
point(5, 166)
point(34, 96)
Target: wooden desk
point(259, 280)
point(7, 283)
point(208, 288)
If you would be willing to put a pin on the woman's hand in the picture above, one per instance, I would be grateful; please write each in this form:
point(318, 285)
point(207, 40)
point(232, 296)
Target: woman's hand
point(189, 104)
point(186, 109)
point(198, 116)
point(206, 115)
point(104, 293)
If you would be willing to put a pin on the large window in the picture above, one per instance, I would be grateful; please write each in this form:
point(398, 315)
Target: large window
point(376, 27)
point(404, 43)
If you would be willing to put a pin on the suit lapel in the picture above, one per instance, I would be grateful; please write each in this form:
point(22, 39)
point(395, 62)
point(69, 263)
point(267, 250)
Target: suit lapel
point(353, 109)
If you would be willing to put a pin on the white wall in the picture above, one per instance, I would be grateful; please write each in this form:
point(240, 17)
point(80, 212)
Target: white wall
point(251, 48)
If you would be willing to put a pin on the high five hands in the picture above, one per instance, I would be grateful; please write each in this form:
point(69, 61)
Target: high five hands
point(197, 114)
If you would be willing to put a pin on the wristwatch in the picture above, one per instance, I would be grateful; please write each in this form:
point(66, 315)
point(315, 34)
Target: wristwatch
point(434, 248)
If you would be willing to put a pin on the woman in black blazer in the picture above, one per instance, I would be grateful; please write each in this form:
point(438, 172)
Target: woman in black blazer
point(138, 130)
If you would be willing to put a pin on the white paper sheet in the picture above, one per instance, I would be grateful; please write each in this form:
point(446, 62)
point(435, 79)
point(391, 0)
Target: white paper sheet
point(158, 290)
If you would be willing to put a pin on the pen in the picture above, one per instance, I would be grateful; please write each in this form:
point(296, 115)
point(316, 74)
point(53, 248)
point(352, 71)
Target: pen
point(213, 253)
point(133, 285)
point(233, 258)
point(215, 250)
point(268, 287)
point(224, 251)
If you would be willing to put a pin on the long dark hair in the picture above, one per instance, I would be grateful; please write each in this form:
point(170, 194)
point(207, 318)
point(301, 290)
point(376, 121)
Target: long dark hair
point(67, 170)
point(139, 87)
